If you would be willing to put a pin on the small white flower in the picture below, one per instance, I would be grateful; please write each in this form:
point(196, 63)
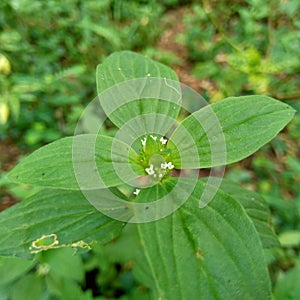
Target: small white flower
point(160, 175)
point(150, 170)
point(153, 137)
point(163, 141)
point(170, 166)
point(164, 166)
point(136, 192)
point(143, 141)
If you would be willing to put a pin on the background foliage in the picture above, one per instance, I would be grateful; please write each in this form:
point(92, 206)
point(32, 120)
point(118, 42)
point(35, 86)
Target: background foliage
point(48, 54)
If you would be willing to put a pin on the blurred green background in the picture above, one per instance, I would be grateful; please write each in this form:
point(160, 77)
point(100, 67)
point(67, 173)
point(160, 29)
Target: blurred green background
point(49, 51)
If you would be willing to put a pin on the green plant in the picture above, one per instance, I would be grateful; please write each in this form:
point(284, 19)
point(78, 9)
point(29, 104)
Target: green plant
point(245, 47)
point(274, 173)
point(206, 238)
point(47, 51)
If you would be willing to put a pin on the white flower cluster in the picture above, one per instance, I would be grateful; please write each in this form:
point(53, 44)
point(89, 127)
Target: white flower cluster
point(143, 141)
point(136, 192)
point(161, 171)
point(166, 166)
point(162, 140)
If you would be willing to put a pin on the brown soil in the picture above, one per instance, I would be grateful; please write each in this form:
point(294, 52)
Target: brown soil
point(174, 26)
point(9, 156)
point(7, 200)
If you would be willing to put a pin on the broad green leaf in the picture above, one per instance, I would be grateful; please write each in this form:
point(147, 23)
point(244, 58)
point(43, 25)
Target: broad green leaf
point(64, 288)
point(88, 156)
point(139, 92)
point(124, 248)
point(142, 272)
point(290, 238)
point(288, 287)
point(256, 208)
point(16, 266)
point(228, 131)
point(209, 253)
point(125, 65)
point(5, 291)
point(63, 263)
point(61, 213)
point(31, 285)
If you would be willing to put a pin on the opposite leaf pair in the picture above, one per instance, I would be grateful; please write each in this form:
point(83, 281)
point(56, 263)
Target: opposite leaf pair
point(215, 252)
